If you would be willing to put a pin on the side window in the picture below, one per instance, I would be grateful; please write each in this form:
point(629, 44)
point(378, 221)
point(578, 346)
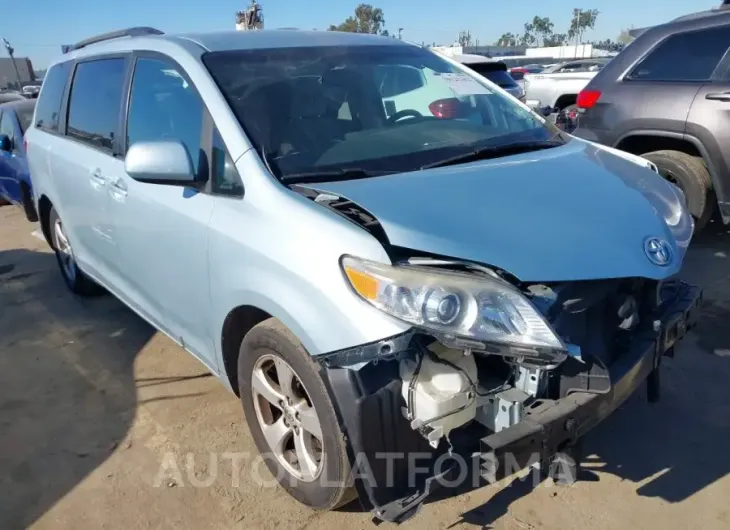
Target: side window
point(164, 106)
point(225, 177)
point(7, 127)
point(95, 102)
point(691, 56)
point(48, 108)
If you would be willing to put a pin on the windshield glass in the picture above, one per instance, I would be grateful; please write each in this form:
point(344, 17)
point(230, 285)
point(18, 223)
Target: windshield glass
point(376, 108)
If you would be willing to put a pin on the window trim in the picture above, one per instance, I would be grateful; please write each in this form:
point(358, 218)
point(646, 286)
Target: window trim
point(66, 107)
point(210, 130)
point(716, 75)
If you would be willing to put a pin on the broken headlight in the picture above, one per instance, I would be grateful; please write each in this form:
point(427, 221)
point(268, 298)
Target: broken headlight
point(455, 304)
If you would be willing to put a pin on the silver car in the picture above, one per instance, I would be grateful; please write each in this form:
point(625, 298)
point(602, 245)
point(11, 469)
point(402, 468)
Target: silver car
point(378, 266)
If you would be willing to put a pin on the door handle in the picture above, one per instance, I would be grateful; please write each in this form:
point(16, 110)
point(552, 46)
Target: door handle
point(718, 96)
point(97, 179)
point(118, 188)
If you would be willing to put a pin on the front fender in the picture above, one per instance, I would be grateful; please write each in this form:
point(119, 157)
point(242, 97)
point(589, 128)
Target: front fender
point(280, 252)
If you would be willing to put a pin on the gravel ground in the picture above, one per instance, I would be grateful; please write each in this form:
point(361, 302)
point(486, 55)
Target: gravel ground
point(94, 404)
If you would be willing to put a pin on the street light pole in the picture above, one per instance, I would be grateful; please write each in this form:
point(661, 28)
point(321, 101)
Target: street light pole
point(400, 33)
point(10, 50)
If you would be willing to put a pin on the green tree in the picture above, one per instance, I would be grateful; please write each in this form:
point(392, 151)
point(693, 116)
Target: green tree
point(625, 37)
point(507, 39)
point(528, 37)
point(542, 28)
point(556, 39)
point(583, 20)
point(367, 19)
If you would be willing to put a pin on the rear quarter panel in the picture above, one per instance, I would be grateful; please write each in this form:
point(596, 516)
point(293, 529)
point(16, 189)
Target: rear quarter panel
point(628, 106)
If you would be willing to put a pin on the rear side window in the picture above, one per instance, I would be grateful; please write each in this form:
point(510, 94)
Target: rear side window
point(48, 109)
point(95, 102)
point(691, 56)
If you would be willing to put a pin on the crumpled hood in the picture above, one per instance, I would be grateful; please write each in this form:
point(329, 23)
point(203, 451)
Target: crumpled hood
point(575, 212)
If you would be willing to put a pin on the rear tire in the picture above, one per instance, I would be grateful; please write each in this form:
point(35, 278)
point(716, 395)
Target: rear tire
point(690, 174)
point(75, 279)
point(271, 357)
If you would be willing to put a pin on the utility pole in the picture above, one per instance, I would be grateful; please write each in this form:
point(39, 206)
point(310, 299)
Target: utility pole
point(400, 33)
point(11, 51)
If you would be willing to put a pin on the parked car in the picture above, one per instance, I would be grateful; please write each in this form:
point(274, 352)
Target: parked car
point(528, 69)
point(558, 90)
point(368, 282)
point(494, 70)
point(15, 184)
point(582, 65)
point(667, 97)
point(5, 97)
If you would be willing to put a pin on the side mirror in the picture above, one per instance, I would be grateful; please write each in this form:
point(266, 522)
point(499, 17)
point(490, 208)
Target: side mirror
point(160, 162)
point(6, 144)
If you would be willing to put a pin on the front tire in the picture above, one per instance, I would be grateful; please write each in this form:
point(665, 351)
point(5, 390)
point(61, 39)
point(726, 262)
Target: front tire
point(291, 417)
point(690, 174)
point(75, 279)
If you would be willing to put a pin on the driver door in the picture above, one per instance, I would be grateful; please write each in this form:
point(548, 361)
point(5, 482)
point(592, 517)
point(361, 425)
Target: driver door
point(162, 230)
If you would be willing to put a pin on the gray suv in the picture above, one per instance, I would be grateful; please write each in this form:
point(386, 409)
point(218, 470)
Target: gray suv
point(666, 97)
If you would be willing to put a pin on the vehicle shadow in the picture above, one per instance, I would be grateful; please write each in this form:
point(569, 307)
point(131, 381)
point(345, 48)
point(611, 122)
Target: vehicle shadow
point(67, 387)
point(678, 446)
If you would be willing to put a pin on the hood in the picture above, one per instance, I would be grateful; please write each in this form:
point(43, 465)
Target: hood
point(574, 212)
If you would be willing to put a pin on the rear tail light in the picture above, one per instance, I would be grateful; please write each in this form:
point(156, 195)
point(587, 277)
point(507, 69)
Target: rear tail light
point(588, 98)
point(446, 108)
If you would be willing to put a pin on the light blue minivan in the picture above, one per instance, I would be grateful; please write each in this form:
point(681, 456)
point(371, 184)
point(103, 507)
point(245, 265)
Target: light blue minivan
point(375, 268)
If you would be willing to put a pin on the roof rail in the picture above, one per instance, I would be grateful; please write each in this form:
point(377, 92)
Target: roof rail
point(128, 32)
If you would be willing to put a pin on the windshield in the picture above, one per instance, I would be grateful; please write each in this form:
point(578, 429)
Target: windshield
point(389, 108)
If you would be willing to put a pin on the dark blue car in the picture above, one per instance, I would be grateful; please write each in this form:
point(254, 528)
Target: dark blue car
point(15, 185)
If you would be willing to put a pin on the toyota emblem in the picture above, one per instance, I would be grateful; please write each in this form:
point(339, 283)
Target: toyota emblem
point(658, 251)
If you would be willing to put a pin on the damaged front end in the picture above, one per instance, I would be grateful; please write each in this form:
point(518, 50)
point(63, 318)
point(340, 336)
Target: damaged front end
point(491, 368)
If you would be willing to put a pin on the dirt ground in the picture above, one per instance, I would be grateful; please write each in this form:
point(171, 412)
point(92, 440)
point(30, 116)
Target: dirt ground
point(94, 404)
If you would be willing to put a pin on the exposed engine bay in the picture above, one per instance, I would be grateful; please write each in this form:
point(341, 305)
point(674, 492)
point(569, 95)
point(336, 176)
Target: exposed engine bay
point(448, 382)
point(447, 385)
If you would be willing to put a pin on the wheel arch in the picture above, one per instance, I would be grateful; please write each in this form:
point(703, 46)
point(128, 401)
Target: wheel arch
point(239, 321)
point(566, 100)
point(645, 141)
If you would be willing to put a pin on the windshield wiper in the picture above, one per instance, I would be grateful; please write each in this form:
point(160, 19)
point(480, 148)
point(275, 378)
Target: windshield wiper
point(350, 173)
point(484, 153)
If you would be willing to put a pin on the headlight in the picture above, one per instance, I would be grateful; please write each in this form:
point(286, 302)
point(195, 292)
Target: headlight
point(458, 305)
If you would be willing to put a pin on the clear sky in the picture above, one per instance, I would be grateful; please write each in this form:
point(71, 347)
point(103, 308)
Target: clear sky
point(37, 28)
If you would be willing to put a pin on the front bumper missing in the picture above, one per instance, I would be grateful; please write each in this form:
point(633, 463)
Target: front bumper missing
point(369, 405)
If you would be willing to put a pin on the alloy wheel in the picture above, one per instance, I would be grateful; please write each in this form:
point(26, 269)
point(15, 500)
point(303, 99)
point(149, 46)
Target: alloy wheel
point(63, 249)
point(287, 418)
